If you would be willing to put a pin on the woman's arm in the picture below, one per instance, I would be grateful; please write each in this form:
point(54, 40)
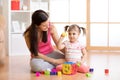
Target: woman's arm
point(56, 39)
point(54, 33)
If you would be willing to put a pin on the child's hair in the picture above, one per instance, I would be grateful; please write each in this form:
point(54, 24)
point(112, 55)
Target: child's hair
point(75, 27)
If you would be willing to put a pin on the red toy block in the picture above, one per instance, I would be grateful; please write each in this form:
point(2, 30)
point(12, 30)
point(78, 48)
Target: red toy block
point(106, 71)
point(74, 69)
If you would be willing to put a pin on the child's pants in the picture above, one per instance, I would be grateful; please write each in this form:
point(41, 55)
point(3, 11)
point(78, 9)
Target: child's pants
point(41, 65)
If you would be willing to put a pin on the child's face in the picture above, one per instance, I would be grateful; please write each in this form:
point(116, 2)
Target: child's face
point(73, 35)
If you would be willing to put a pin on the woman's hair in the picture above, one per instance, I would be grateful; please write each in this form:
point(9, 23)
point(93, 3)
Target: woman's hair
point(38, 17)
point(76, 28)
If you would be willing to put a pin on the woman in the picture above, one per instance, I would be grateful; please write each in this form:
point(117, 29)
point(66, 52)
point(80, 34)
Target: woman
point(38, 39)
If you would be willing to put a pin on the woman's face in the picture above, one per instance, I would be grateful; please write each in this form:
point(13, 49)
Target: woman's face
point(44, 26)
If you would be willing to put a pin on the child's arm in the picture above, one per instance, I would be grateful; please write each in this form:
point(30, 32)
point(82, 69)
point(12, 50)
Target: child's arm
point(60, 45)
point(84, 57)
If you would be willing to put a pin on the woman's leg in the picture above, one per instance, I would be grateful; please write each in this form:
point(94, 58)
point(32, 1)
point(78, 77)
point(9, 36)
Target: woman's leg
point(56, 55)
point(41, 65)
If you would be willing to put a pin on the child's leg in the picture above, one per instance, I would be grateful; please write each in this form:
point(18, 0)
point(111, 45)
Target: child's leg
point(83, 68)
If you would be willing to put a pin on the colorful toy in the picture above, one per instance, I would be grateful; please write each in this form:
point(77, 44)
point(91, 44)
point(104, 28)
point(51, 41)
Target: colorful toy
point(42, 72)
point(53, 72)
point(69, 68)
point(64, 34)
point(37, 74)
point(47, 72)
point(106, 71)
point(91, 70)
point(59, 73)
point(88, 75)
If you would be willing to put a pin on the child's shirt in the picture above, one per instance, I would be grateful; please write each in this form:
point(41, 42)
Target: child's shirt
point(73, 51)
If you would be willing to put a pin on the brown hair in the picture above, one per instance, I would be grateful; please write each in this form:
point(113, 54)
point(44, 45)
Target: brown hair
point(75, 27)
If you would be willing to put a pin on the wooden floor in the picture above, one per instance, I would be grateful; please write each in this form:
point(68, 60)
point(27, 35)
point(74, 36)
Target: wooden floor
point(17, 68)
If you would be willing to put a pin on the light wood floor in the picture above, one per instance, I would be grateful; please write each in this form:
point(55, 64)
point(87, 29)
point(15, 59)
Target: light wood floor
point(17, 68)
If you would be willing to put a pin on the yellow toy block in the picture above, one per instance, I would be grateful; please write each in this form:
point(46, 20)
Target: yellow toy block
point(67, 69)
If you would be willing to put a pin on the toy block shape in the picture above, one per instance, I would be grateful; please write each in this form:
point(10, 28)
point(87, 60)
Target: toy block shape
point(91, 70)
point(67, 69)
point(88, 75)
point(47, 72)
point(74, 68)
point(52, 73)
point(59, 73)
point(37, 74)
point(106, 71)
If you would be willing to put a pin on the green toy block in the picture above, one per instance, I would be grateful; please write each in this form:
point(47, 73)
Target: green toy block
point(88, 75)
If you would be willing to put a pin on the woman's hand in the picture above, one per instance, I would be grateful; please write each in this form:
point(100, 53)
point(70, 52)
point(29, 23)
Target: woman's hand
point(58, 61)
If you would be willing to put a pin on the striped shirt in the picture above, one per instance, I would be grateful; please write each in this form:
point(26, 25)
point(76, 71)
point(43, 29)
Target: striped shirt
point(73, 51)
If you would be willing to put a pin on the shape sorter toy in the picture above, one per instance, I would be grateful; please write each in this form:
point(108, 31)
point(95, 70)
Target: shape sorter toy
point(69, 68)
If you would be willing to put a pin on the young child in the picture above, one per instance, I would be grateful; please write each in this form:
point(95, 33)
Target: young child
point(2, 41)
point(74, 50)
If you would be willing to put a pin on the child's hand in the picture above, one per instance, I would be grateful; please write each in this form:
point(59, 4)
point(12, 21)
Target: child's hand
point(78, 63)
point(63, 34)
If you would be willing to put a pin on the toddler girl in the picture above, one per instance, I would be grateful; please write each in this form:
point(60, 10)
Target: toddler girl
point(74, 50)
